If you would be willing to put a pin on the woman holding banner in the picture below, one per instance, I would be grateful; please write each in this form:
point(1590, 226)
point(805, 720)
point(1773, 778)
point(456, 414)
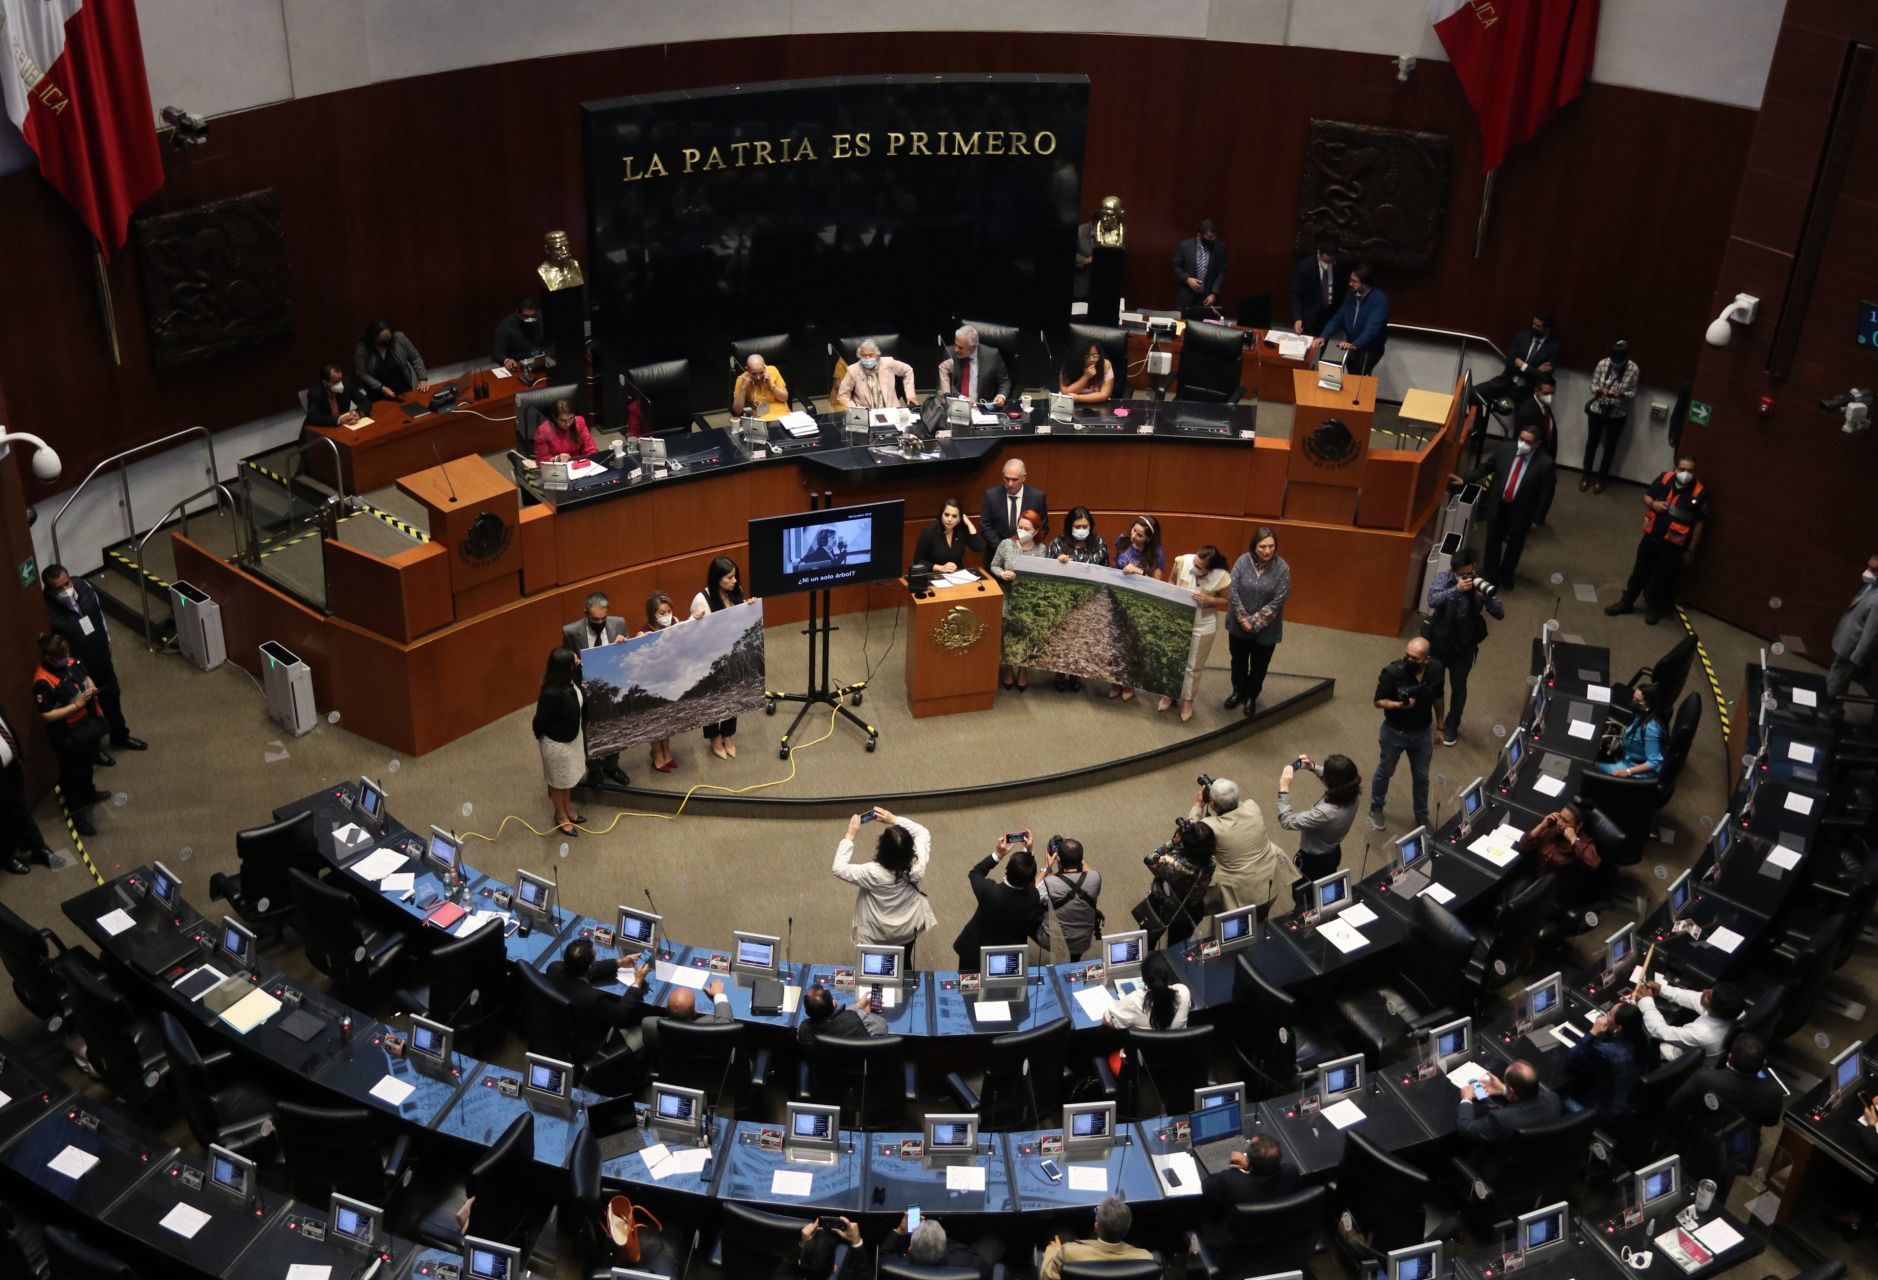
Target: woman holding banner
point(659, 615)
point(1024, 542)
point(1140, 551)
point(1204, 573)
point(721, 591)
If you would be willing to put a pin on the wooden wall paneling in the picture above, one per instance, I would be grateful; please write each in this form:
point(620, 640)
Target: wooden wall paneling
point(1387, 497)
point(460, 679)
point(539, 564)
point(1320, 503)
point(400, 598)
point(1210, 480)
point(1271, 462)
point(1102, 477)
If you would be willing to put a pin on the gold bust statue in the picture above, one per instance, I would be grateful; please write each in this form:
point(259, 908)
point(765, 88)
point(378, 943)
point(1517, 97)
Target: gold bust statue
point(560, 271)
point(1108, 229)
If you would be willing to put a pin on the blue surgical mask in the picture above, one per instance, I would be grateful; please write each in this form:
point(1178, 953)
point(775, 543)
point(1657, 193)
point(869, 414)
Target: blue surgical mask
point(870, 362)
point(1079, 534)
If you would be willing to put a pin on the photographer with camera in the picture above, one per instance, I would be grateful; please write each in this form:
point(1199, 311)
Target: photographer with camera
point(1007, 914)
point(1069, 889)
point(1408, 693)
point(1183, 871)
point(1248, 869)
point(1461, 601)
point(1322, 827)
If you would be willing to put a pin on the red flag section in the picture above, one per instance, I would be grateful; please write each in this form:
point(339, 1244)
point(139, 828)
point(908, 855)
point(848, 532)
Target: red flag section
point(75, 87)
point(1519, 61)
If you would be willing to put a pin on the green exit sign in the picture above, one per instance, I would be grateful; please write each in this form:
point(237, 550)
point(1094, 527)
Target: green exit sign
point(29, 572)
point(1699, 413)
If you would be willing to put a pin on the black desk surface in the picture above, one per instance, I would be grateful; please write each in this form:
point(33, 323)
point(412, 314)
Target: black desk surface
point(124, 1159)
point(232, 1224)
point(1323, 961)
point(1579, 1258)
point(298, 1236)
point(30, 1097)
point(1563, 713)
point(1524, 792)
point(1613, 1237)
point(1836, 1132)
point(1575, 667)
point(1471, 884)
point(1315, 1145)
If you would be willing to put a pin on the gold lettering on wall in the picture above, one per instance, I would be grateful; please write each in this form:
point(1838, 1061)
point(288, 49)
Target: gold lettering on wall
point(761, 152)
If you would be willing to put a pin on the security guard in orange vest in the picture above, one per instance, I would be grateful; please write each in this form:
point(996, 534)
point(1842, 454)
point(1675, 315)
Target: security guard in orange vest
point(1675, 507)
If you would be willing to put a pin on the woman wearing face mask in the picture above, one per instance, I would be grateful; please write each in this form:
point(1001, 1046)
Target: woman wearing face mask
point(1139, 551)
point(1079, 542)
point(1255, 623)
point(660, 615)
point(1086, 377)
point(721, 591)
point(1025, 542)
point(67, 701)
point(1204, 573)
point(944, 542)
point(1613, 387)
point(558, 732)
point(873, 380)
point(1642, 749)
point(387, 364)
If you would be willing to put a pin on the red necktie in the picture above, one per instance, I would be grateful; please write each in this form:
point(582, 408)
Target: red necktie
point(1512, 478)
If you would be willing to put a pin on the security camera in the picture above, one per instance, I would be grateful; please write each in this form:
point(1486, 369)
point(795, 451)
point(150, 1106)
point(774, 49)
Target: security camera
point(46, 465)
point(1741, 311)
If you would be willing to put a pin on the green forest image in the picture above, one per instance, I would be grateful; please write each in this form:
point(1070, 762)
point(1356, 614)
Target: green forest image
point(1105, 630)
point(695, 673)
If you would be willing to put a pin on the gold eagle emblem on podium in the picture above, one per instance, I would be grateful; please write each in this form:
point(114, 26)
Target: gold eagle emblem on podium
point(959, 630)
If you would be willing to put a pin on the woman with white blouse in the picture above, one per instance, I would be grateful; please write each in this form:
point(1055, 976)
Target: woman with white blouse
point(890, 909)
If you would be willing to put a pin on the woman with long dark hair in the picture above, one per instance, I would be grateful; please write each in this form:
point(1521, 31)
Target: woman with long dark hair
point(558, 732)
point(1161, 1003)
point(943, 543)
point(1183, 877)
point(1079, 543)
point(1604, 1067)
point(890, 908)
point(721, 591)
point(1086, 377)
point(1322, 827)
point(660, 615)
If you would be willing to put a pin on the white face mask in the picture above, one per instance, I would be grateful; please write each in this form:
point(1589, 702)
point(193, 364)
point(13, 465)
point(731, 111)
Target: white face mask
point(666, 619)
point(870, 362)
point(1684, 477)
point(1026, 537)
point(70, 596)
point(1079, 534)
point(1524, 447)
point(1868, 576)
point(1544, 399)
point(339, 388)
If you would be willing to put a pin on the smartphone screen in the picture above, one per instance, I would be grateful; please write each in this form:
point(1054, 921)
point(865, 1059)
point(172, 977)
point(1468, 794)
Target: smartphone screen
point(912, 1218)
point(1016, 837)
point(868, 816)
point(1051, 1172)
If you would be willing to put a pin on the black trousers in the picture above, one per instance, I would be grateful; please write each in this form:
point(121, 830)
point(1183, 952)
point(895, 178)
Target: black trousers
point(1250, 661)
point(1601, 432)
point(111, 702)
point(1315, 866)
point(77, 760)
point(19, 834)
point(1654, 575)
point(1506, 542)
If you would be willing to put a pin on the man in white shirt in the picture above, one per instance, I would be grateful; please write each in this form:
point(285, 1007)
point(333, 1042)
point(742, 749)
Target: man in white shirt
point(19, 834)
point(1717, 1008)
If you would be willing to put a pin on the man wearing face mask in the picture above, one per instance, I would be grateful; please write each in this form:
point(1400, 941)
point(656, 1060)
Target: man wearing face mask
point(1854, 639)
point(1613, 387)
point(1361, 323)
point(1408, 693)
point(332, 402)
point(1537, 413)
point(1520, 476)
point(1530, 352)
point(519, 336)
point(595, 627)
point(1674, 509)
point(77, 614)
point(873, 380)
point(67, 701)
point(1199, 268)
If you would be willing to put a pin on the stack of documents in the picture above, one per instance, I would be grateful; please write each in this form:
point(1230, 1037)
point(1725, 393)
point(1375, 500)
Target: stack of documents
point(800, 425)
point(1497, 845)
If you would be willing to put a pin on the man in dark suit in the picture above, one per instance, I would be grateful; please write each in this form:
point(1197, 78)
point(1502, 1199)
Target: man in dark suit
point(332, 403)
point(1509, 1106)
point(1530, 352)
point(974, 370)
point(1318, 284)
point(1360, 324)
point(823, 1015)
point(1199, 268)
point(596, 627)
point(1536, 412)
point(20, 838)
point(1733, 1089)
point(1009, 500)
point(576, 976)
point(1007, 913)
point(1254, 1176)
point(76, 613)
point(1520, 473)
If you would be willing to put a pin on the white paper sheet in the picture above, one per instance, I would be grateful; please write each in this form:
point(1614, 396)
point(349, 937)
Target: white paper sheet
point(250, 1011)
point(655, 1157)
point(1582, 729)
point(1496, 846)
point(1343, 1113)
point(72, 1162)
point(1341, 936)
point(1088, 1177)
point(1716, 1235)
point(1801, 752)
point(686, 1160)
point(378, 864)
point(185, 1220)
point(1598, 692)
point(1467, 1073)
point(115, 922)
point(1358, 914)
point(347, 834)
point(980, 419)
point(1724, 939)
point(1784, 858)
point(992, 1011)
point(1182, 1165)
point(393, 1090)
point(581, 468)
point(310, 1270)
point(398, 882)
point(476, 920)
point(791, 1182)
point(680, 975)
point(1805, 698)
point(5, 1099)
point(1800, 804)
point(792, 999)
point(501, 371)
point(1548, 785)
point(965, 1177)
point(1094, 1002)
point(1439, 892)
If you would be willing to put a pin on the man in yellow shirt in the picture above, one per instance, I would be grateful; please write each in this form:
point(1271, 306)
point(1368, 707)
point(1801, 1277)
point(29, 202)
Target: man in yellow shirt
point(1113, 1218)
point(761, 390)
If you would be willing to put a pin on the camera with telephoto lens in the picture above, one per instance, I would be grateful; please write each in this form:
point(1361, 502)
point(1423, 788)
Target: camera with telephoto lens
point(1181, 827)
point(1483, 588)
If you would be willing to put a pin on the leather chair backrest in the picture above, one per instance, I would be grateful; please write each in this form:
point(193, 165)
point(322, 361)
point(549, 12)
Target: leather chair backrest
point(1283, 1231)
point(1210, 361)
point(1559, 1144)
point(1655, 1085)
point(188, 1081)
point(1383, 1194)
point(1613, 843)
point(1114, 344)
point(1177, 1061)
point(27, 954)
point(533, 406)
point(503, 1182)
point(1681, 738)
point(696, 1054)
point(468, 975)
point(107, 1023)
point(73, 1259)
point(667, 387)
point(548, 1023)
point(329, 922)
point(849, 348)
point(291, 840)
point(1670, 672)
point(756, 1236)
point(906, 1269)
point(1114, 1269)
point(774, 348)
point(328, 1149)
point(1005, 1095)
point(1005, 337)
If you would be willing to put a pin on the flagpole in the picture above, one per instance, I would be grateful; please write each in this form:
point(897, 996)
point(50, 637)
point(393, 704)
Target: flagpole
point(104, 300)
point(1486, 207)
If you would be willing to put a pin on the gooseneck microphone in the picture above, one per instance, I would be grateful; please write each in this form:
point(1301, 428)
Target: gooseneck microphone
point(446, 471)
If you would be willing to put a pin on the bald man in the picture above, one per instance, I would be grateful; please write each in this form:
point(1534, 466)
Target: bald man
point(1408, 693)
point(1495, 1108)
point(682, 1004)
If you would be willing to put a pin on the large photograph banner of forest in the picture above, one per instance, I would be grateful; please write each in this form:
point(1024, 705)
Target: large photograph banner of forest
point(1093, 621)
point(691, 674)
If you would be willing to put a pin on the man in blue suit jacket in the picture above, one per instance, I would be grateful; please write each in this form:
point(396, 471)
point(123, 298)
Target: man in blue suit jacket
point(1363, 322)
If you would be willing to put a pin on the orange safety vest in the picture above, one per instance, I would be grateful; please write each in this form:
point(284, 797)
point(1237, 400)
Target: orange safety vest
point(1675, 532)
point(90, 709)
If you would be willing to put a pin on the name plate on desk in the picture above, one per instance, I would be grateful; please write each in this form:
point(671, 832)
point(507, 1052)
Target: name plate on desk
point(1145, 429)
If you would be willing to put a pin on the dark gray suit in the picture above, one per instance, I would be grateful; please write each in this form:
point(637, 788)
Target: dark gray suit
point(1186, 266)
point(579, 635)
point(1510, 520)
point(993, 378)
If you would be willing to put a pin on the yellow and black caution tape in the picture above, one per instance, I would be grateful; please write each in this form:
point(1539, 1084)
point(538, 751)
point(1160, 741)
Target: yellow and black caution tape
point(1714, 686)
point(676, 813)
point(409, 530)
point(269, 472)
point(78, 841)
point(296, 540)
point(160, 584)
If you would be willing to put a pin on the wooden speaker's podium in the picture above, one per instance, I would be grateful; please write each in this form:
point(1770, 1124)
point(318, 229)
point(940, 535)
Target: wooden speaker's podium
point(953, 638)
point(1326, 467)
point(475, 515)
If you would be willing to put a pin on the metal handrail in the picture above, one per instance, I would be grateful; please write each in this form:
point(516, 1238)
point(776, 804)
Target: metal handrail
point(118, 460)
point(143, 578)
point(1465, 339)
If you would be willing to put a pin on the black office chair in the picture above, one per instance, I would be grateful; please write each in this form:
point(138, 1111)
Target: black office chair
point(1805, 964)
point(849, 349)
point(1633, 802)
point(1114, 344)
point(1431, 980)
point(1115, 1269)
point(124, 1051)
point(1267, 1035)
point(72, 1259)
point(703, 1055)
point(511, 1199)
point(1668, 673)
point(226, 1112)
point(22, 1248)
point(1535, 1166)
point(579, 1230)
point(1274, 1236)
point(906, 1269)
point(1388, 1202)
point(665, 390)
point(259, 893)
point(34, 960)
point(463, 983)
point(1160, 1070)
point(1506, 946)
point(345, 1149)
point(750, 1242)
point(331, 921)
point(775, 350)
point(1210, 356)
point(1023, 1077)
point(1644, 1134)
point(868, 1077)
point(553, 1028)
point(531, 407)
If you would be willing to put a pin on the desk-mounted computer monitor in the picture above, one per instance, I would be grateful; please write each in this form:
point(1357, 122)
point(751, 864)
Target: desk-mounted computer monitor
point(1409, 853)
point(1088, 1125)
point(237, 943)
point(1331, 894)
point(355, 1222)
point(1681, 890)
point(1847, 1070)
point(231, 1174)
point(1451, 1043)
point(951, 1135)
point(1123, 954)
point(1339, 1078)
point(1620, 954)
point(1417, 1262)
point(165, 886)
point(754, 953)
point(1657, 1181)
point(1510, 757)
point(636, 930)
point(370, 805)
point(548, 1080)
point(679, 1111)
point(535, 895)
point(1542, 1228)
point(811, 1132)
point(444, 852)
point(431, 1041)
point(1539, 1003)
point(1721, 837)
point(1237, 928)
point(1003, 968)
point(879, 966)
point(1218, 1095)
point(487, 1260)
point(1473, 802)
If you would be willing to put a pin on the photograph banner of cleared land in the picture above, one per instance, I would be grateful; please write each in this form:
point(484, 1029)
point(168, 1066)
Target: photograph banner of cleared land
point(691, 674)
point(1091, 621)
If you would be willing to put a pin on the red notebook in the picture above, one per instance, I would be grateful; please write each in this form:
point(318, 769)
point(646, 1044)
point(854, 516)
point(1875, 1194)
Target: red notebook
point(445, 915)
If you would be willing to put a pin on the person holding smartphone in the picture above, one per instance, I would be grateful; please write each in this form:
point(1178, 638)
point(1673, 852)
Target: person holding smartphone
point(922, 1240)
point(818, 1246)
point(890, 908)
point(1007, 913)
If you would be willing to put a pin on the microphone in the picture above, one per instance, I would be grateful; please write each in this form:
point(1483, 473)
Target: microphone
point(710, 1126)
point(1030, 1090)
point(1047, 353)
point(446, 471)
point(1364, 870)
point(556, 873)
point(653, 941)
point(789, 938)
point(860, 1116)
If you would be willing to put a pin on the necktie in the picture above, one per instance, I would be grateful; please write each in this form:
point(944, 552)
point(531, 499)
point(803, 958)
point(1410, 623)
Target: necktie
point(1512, 478)
point(1323, 275)
point(966, 384)
point(1013, 514)
point(1200, 259)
